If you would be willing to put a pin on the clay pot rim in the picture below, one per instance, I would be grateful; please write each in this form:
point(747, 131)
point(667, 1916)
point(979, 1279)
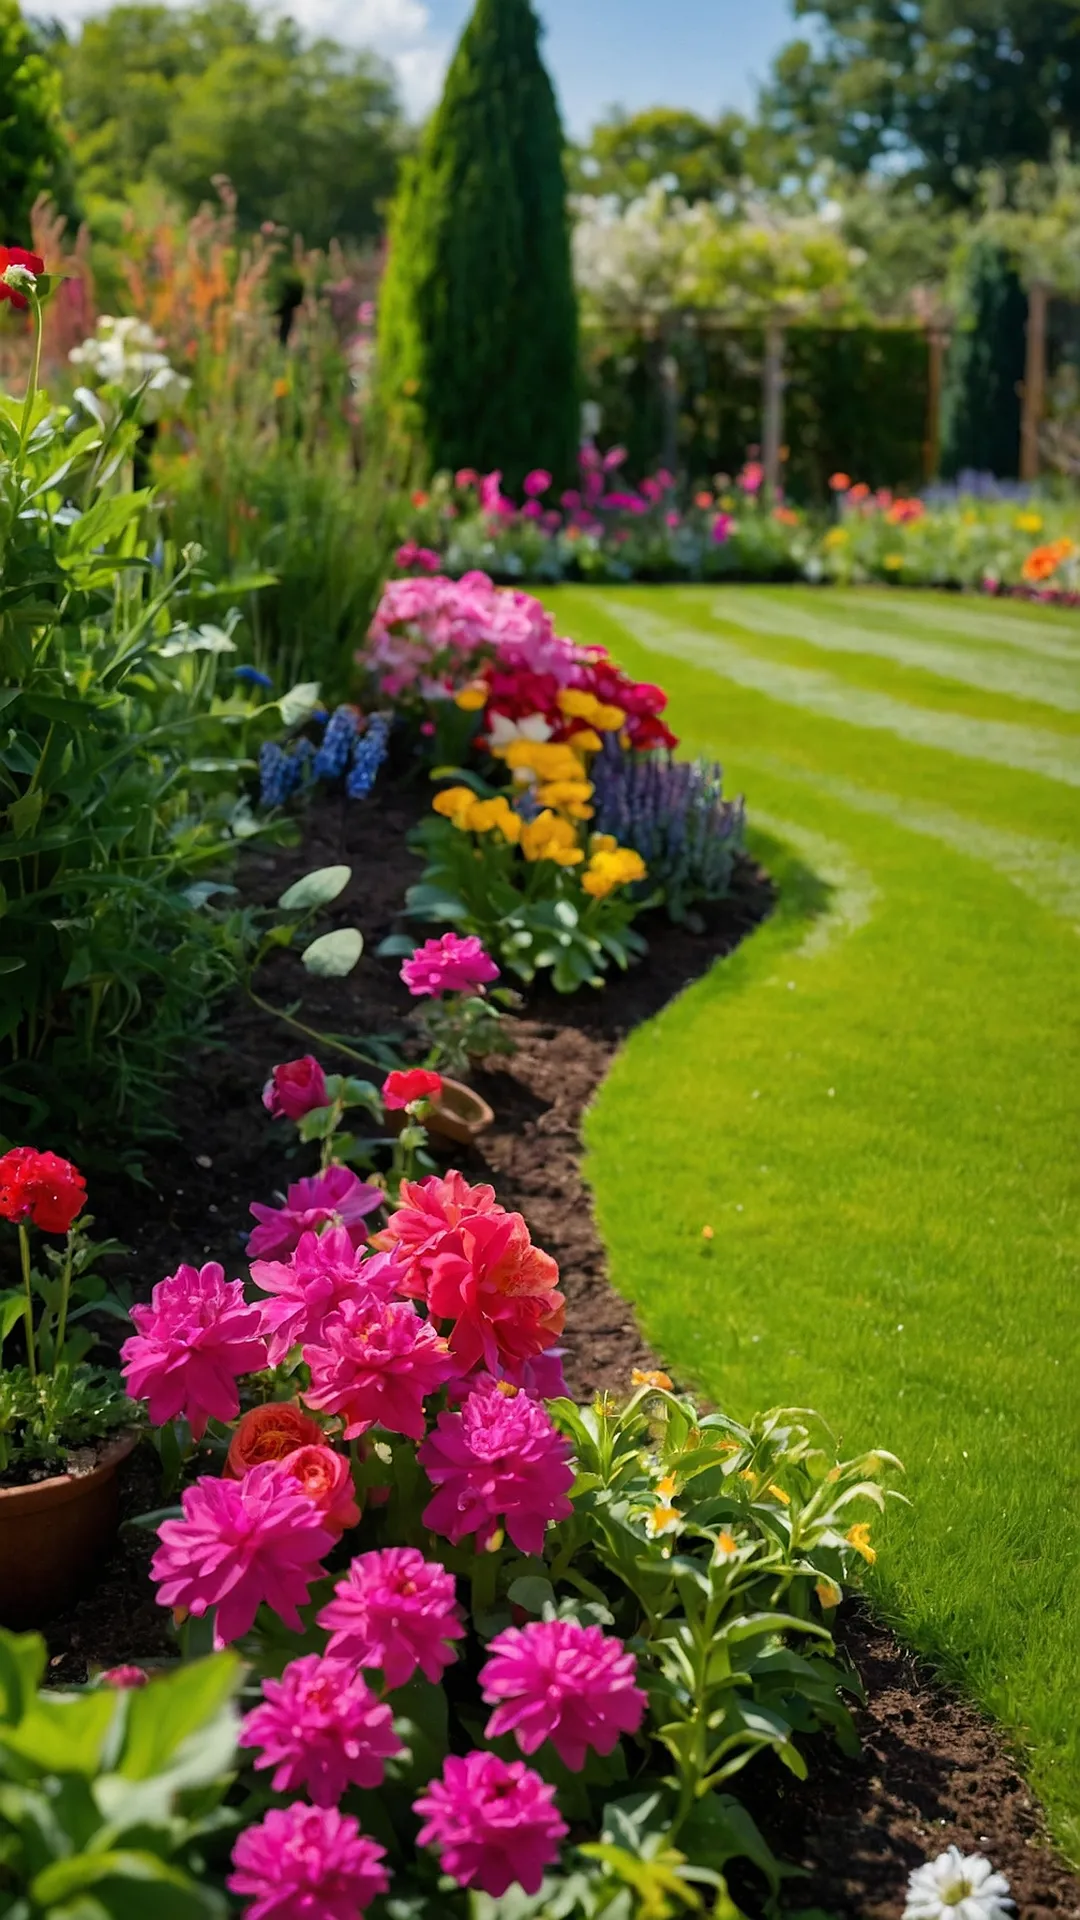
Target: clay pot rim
point(60, 1487)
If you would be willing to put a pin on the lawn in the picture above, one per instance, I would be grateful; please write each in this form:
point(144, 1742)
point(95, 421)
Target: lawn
point(873, 1105)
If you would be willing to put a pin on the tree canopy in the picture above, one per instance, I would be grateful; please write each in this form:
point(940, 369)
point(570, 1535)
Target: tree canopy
point(697, 159)
point(32, 147)
point(943, 88)
point(308, 132)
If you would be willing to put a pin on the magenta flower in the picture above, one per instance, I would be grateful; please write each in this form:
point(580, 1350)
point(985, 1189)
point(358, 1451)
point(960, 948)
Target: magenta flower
point(323, 1730)
point(560, 1681)
point(239, 1543)
point(492, 1822)
point(499, 1459)
point(124, 1678)
point(321, 1273)
point(296, 1087)
point(191, 1344)
point(537, 482)
point(307, 1863)
point(396, 1611)
point(375, 1364)
point(721, 528)
point(336, 1198)
point(449, 965)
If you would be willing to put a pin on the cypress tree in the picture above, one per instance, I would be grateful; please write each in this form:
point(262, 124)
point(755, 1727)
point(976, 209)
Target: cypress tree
point(478, 318)
point(980, 426)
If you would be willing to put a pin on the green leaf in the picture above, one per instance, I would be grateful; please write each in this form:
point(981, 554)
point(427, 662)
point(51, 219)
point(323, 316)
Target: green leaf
point(532, 1592)
point(11, 1312)
point(9, 964)
point(174, 1705)
point(64, 1734)
point(22, 1663)
point(333, 955)
point(316, 889)
point(299, 703)
point(130, 1886)
point(25, 813)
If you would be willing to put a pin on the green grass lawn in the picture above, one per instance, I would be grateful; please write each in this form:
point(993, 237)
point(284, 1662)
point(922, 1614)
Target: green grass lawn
point(874, 1102)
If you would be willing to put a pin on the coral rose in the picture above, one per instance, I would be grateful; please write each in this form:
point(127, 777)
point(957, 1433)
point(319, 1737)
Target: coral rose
point(326, 1477)
point(270, 1433)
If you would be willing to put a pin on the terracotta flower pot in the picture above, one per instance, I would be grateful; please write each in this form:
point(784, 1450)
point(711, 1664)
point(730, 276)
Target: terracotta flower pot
point(52, 1533)
point(458, 1114)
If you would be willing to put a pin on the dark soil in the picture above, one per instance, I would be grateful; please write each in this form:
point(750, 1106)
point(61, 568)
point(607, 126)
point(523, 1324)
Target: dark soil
point(932, 1770)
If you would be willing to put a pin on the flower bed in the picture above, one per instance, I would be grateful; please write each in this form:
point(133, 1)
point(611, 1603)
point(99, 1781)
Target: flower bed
point(998, 540)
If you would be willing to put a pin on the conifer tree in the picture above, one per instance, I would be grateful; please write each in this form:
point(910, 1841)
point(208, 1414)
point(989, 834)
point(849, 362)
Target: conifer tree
point(478, 320)
point(981, 400)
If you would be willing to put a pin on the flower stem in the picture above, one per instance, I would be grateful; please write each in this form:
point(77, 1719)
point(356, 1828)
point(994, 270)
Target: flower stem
point(310, 1033)
point(28, 1309)
point(32, 381)
point(65, 1296)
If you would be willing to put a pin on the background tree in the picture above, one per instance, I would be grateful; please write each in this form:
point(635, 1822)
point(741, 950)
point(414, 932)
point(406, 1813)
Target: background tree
point(695, 158)
point(308, 132)
point(944, 86)
point(981, 398)
point(478, 322)
point(32, 146)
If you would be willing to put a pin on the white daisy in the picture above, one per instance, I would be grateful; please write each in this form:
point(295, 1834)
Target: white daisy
point(958, 1886)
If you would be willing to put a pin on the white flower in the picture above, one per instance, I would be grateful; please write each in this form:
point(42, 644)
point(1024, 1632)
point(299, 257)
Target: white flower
point(503, 732)
point(958, 1886)
point(19, 277)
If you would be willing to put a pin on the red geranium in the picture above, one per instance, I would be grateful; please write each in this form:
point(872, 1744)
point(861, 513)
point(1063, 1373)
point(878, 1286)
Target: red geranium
point(18, 257)
point(40, 1187)
point(401, 1089)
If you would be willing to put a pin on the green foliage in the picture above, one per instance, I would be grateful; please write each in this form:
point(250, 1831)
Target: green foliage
point(697, 159)
point(32, 150)
point(45, 1417)
point(955, 84)
point(985, 368)
point(477, 324)
point(181, 96)
point(108, 1800)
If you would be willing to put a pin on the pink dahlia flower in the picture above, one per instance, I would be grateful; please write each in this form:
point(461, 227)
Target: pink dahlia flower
point(322, 1272)
point(296, 1087)
point(307, 1863)
point(375, 1364)
point(429, 1209)
point(322, 1729)
point(396, 1611)
point(493, 1823)
point(560, 1681)
point(500, 1292)
point(499, 1459)
point(239, 1543)
point(449, 965)
point(191, 1344)
point(336, 1198)
point(125, 1679)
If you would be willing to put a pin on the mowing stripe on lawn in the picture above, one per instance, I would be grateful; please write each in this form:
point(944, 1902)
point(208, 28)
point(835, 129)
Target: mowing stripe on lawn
point(873, 1104)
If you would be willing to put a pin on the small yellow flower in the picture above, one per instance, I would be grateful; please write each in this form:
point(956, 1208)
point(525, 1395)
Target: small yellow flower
point(541, 760)
point(745, 1474)
point(485, 815)
point(577, 704)
point(828, 1593)
point(727, 1547)
point(567, 796)
point(550, 837)
point(410, 387)
point(729, 1446)
point(1028, 522)
point(836, 537)
point(779, 1494)
point(708, 1233)
point(666, 1487)
point(858, 1537)
point(619, 867)
point(970, 518)
point(586, 740)
point(644, 1377)
point(455, 803)
point(281, 389)
point(663, 1519)
point(833, 1476)
point(893, 562)
point(471, 699)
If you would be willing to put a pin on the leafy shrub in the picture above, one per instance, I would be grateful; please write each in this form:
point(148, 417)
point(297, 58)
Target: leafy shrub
point(674, 814)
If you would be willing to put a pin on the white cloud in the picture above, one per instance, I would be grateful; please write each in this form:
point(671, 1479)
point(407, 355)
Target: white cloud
point(400, 30)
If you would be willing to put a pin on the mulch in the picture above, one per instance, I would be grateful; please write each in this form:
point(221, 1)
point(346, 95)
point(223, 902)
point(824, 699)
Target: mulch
point(932, 1770)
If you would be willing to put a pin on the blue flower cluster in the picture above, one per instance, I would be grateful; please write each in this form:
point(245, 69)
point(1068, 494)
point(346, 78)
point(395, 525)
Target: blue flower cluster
point(674, 814)
point(349, 746)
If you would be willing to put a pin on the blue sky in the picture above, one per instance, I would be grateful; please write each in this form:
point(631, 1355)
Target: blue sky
point(705, 54)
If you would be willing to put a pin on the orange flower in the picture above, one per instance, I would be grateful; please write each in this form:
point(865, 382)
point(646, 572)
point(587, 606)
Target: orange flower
point(841, 482)
point(860, 491)
point(641, 1377)
point(786, 516)
point(270, 1433)
point(703, 500)
point(1043, 561)
point(326, 1478)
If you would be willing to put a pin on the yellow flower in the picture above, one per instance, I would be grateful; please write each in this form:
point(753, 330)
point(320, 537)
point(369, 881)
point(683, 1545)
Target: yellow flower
point(567, 796)
point(455, 803)
point(484, 815)
point(577, 704)
point(893, 562)
point(586, 741)
point(471, 699)
point(663, 1519)
point(836, 537)
point(541, 760)
point(726, 1547)
point(1028, 522)
point(281, 389)
point(730, 1446)
point(647, 1378)
point(779, 1494)
point(666, 1487)
point(745, 1474)
point(858, 1537)
point(970, 518)
point(549, 837)
point(828, 1593)
point(608, 870)
point(602, 843)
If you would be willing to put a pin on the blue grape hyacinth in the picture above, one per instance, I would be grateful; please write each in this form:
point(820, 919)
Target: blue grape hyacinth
point(368, 755)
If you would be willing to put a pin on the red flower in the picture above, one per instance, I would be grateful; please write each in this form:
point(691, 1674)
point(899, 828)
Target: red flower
point(294, 1088)
point(401, 1089)
point(18, 257)
point(40, 1187)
